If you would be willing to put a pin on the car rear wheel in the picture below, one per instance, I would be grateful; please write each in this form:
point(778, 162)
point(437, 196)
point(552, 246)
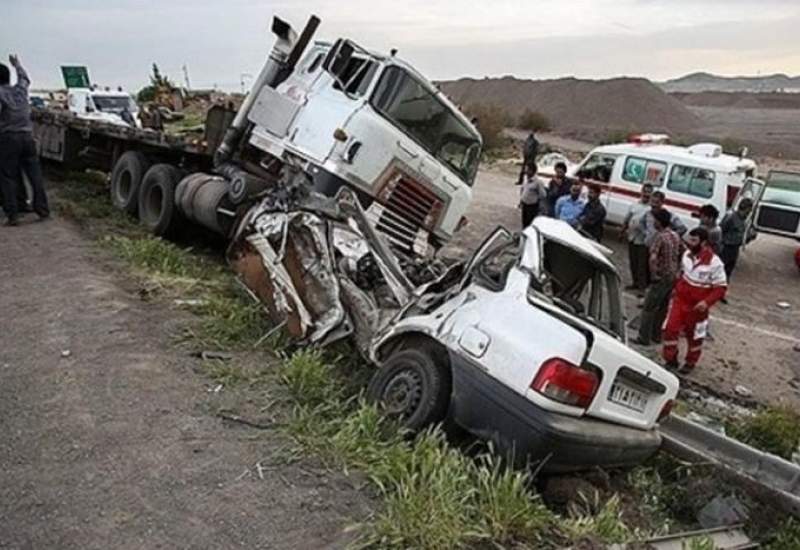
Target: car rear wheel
point(413, 388)
point(126, 179)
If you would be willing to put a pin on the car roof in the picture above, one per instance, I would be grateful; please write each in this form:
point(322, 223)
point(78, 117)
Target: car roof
point(677, 154)
point(562, 232)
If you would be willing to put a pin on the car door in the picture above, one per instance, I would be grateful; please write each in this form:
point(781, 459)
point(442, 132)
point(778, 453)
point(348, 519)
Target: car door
point(496, 328)
point(752, 189)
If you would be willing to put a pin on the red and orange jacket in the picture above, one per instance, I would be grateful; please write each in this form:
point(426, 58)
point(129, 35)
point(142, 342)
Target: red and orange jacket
point(702, 278)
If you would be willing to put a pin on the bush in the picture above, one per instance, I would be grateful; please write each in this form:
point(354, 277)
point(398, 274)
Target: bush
point(774, 430)
point(491, 121)
point(533, 121)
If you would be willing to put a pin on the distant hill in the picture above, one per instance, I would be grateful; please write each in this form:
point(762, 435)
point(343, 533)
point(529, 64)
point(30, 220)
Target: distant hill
point(706, 82)
point(581, 107)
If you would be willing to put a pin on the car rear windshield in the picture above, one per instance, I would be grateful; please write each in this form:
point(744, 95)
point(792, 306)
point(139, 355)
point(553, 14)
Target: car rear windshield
point(417, 111)
point(782, 188)
point(582, 286)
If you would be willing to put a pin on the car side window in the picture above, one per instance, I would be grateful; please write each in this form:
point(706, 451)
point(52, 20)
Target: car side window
point(690, 180)
point(493, 269)
point(640, 170)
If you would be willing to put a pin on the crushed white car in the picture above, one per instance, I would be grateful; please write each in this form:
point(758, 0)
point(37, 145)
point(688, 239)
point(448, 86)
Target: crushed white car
point(524, 345)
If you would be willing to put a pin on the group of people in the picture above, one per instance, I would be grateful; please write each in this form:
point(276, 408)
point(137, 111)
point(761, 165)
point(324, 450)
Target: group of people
point(18, 153)
point(562, 199)
point(681, 274)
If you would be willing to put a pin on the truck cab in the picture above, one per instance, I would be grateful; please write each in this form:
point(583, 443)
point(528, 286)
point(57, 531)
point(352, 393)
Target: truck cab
point(114, 107)
point(371, 122)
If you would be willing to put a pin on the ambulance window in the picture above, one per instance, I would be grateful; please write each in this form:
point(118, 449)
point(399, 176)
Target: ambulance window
point(598, 167)
point(639, 170)
point(690, 180)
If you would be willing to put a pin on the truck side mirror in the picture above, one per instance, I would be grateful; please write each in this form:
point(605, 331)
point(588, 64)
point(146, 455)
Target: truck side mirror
point(338, 58)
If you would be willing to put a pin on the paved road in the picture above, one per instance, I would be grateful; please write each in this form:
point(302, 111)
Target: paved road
point(113, 446)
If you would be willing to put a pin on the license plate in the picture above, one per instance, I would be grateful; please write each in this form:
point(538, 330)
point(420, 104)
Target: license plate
point(624, 395)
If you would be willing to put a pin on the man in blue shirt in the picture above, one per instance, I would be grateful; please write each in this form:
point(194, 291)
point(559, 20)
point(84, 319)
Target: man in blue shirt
point(570, 207)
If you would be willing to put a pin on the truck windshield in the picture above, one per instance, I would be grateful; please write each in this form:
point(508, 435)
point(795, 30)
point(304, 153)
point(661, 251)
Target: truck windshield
point(113, 104)
point(424, 117)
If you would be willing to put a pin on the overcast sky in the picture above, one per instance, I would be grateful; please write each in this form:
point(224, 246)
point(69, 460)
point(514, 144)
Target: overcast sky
point(221, 39)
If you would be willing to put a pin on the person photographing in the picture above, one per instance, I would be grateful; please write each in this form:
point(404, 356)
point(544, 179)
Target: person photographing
point(17, 148)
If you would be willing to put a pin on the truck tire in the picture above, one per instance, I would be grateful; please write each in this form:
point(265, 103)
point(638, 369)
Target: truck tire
point(126, 178)
point(157, 209)
point(412, 388)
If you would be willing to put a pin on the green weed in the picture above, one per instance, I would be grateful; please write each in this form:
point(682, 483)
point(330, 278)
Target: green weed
point(775, 430)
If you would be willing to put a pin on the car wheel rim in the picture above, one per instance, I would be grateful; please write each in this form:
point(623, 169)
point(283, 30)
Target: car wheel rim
point(403, 394)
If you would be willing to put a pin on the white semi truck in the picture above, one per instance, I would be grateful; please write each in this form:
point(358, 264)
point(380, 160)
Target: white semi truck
point(320, 116)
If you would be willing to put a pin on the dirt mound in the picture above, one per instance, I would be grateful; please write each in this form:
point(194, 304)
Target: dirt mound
point(740, 100)
point(581, 107)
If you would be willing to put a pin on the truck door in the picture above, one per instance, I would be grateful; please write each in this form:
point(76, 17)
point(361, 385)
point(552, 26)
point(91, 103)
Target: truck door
point(333, 99)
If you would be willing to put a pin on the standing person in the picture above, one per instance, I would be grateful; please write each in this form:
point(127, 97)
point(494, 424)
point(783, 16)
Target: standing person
point(529, 151)
point(702, 284)
point(570, 207)
point(664, 261)
point(637, 250)
point(648, 222)
point(708, 219)
point(532, 196)
point(734, 227)
point(558, 187)
point(594, 214)
point(17, 148)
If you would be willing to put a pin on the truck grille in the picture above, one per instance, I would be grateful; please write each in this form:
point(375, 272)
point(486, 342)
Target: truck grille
point(778, 219)
point(404, 212)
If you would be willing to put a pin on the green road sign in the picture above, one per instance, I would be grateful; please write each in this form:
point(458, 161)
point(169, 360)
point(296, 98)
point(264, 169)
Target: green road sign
point(76, 77)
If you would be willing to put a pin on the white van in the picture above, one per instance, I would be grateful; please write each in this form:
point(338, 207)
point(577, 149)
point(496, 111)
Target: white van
point(689, 177)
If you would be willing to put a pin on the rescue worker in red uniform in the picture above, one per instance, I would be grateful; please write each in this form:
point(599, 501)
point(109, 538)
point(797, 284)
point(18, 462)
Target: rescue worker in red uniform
point(702, 283)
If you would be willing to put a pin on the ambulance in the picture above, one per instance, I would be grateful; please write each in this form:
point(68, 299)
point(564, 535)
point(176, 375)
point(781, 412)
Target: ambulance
point(689, 177)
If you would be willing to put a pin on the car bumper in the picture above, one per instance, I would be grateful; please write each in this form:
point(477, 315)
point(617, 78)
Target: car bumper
point(494, 412)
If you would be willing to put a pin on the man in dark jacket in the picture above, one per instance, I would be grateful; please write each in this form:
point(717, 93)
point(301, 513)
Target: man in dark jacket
point(17, 148)
point(594, 214)
point(733, 227)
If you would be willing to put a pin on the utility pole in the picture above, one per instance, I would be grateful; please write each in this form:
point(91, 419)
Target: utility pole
point(186, 77)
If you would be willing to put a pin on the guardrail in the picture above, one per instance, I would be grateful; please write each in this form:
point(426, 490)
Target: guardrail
point(764, 474)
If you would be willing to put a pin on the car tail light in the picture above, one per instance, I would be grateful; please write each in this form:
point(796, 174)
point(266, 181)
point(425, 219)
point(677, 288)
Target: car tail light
point(666, 409)
point(566, 383)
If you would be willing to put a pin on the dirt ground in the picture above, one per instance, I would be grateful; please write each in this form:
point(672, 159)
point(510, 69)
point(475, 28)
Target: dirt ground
point(111, 444)
point(754, 338)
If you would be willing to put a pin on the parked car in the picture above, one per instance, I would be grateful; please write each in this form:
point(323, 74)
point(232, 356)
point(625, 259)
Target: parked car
point(523, 345)
point(776, 203)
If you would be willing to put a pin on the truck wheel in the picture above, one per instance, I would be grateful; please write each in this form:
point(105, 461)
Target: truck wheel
point(126, 179)
point(411, 388)
point(157, 210)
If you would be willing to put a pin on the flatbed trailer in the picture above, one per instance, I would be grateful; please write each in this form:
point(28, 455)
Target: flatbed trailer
point(78, 143)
